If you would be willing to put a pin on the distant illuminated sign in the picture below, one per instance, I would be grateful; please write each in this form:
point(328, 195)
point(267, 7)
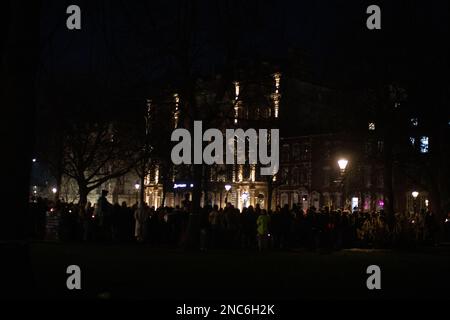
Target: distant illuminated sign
point(182, 185)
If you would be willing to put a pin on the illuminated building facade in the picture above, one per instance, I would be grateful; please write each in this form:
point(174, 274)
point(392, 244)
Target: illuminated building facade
point(253, 104)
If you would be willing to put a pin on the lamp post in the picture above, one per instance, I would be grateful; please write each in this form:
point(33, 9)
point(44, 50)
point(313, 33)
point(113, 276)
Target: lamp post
point(342, 163)
point(227, 188)
point(137, 186)
point(415, 194)
point(54, 191)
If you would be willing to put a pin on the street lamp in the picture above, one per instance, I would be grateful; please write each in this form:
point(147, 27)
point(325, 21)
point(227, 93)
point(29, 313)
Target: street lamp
point(227, 188)
point(415, 194)
point(137, 186)
point(54, 190)
point(34, 160)
point(342, 163)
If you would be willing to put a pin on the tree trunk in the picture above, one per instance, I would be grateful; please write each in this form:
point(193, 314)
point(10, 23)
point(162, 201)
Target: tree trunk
point(83, 191)
point(269, 193)
point(58, 184)
point(142, 190)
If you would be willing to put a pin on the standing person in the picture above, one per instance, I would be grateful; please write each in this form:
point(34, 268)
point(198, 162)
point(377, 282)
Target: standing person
point(262, 229)
point(285, 222)
point(214, 223)
point(204, 227)
point(115, 221)
point(103, 214)
point(88, 222)
point(140, 217)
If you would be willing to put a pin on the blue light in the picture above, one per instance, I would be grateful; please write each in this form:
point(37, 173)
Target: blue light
point(423, 144)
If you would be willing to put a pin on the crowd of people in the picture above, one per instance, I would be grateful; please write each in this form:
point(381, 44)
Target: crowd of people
point(220, 228)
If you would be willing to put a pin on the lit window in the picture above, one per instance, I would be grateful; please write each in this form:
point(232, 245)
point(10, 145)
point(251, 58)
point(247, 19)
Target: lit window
point(412, 140)
point(415, 122)
point(424, 144)
point(372, 126)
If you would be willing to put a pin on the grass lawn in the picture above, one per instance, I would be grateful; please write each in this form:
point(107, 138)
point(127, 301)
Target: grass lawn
point(139, 271)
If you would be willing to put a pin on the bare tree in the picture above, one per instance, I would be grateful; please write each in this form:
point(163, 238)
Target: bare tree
point(93, 153)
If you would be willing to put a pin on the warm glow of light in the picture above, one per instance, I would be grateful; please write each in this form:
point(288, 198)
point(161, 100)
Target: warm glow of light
point(427, 203)
point(277, 77)
point(157, 175)
point(227, 187)
point(372, 126)
point(276, 109)
point(415, 194)
point(342, 163)
point(236, 89)
point(236, 112)
point(276, 95)
point(176, 112)
point(137, 186)
point(54, 190)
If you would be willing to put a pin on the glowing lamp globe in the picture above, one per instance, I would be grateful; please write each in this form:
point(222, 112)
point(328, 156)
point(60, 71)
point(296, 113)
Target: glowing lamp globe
point(342, 163)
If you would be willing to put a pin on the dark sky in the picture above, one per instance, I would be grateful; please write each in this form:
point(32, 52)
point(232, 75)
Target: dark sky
point(123, 49)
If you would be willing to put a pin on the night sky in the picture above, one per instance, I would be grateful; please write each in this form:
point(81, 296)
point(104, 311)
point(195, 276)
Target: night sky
point(123, 52)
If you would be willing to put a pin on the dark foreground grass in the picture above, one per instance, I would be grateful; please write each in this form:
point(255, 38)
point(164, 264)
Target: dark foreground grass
point(142, 272)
